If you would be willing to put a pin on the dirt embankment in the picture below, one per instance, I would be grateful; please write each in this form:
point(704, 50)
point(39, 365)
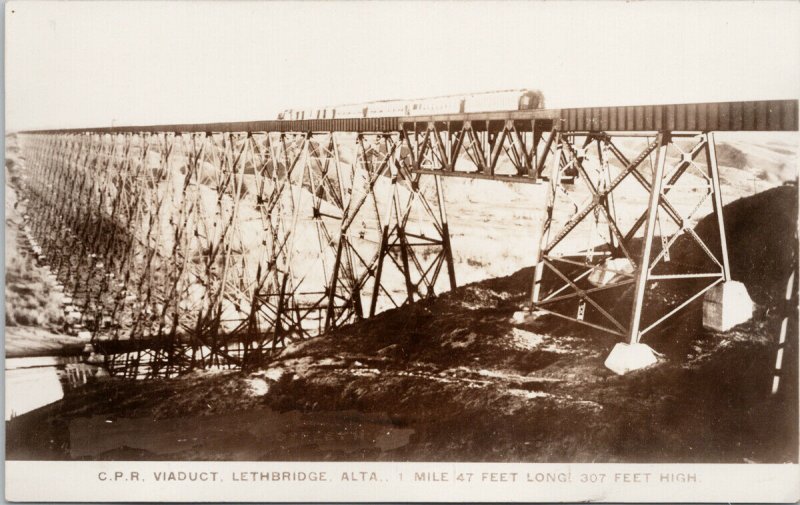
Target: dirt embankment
point(472, 385)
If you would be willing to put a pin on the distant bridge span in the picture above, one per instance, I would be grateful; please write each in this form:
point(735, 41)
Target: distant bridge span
point(187, 246)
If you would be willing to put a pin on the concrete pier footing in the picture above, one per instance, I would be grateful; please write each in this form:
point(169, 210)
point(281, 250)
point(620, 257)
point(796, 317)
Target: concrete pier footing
point(726, 305)
point(625, 358)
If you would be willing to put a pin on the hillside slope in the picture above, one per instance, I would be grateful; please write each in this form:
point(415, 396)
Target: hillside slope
point(34, 309)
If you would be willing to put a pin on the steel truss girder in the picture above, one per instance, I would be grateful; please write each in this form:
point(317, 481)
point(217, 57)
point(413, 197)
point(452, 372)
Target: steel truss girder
point(509, 150)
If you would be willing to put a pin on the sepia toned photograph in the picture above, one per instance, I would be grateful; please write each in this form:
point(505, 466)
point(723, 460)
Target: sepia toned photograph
point(335, 245)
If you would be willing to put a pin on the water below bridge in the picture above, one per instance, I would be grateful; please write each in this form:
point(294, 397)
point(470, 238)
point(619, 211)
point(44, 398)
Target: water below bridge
point(33, 382)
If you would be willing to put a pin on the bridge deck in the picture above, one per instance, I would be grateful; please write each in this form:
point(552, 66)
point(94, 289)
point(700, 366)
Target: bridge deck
point(763, 115)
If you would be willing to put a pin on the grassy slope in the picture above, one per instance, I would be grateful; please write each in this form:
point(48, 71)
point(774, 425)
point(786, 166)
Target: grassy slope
point(34, 313)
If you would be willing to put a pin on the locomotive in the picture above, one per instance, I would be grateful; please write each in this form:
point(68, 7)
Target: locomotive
point(511, 99)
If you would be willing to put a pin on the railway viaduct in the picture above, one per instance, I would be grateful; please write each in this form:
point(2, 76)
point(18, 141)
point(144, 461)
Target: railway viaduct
point(186, 246)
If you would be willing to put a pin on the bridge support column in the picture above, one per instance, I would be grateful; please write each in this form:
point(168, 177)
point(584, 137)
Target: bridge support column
point(635, 355)
point(617, 272)
point(728, 304)
point(447, 249)
point(643, 270)
point(547, 222)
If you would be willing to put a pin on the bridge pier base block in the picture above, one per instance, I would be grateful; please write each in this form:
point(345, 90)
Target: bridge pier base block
point(625, 358)
point(726, 305)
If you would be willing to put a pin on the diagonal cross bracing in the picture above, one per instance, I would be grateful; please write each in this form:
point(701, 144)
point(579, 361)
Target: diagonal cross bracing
point(200, 249)
point(621, 282)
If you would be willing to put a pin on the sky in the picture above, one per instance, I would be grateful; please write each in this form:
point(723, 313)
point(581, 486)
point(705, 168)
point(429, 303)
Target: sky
point(104, 63)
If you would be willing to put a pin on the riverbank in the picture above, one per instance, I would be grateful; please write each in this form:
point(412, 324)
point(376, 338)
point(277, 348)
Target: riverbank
point(29, 341)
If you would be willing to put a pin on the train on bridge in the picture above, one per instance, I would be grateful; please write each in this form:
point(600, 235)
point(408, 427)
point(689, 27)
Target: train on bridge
point(490, 101)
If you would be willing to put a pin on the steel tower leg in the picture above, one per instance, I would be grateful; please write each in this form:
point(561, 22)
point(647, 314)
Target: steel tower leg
point(643, 270)
point(713, 169)
point(547, 221)
point(447, 248)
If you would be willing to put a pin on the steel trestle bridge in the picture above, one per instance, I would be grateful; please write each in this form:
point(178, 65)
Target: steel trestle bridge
point(189, 246)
